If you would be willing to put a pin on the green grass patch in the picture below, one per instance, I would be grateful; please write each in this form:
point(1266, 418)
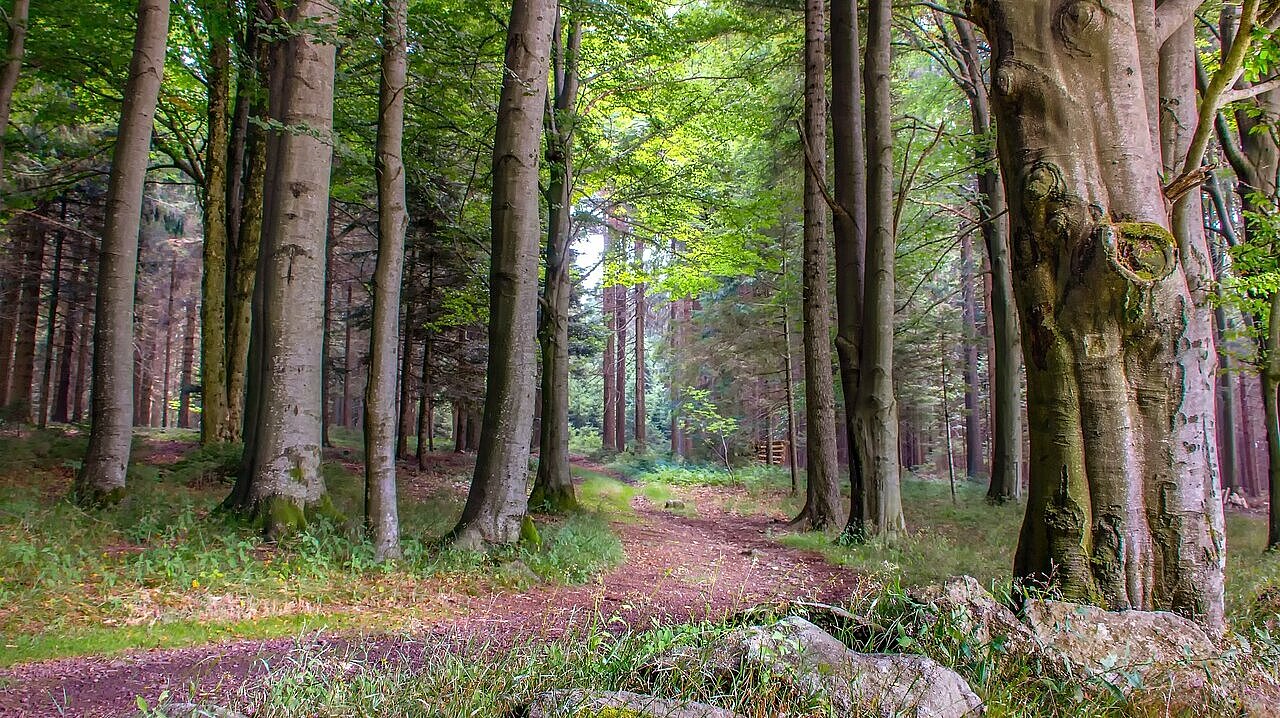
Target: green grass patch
point(75, 582)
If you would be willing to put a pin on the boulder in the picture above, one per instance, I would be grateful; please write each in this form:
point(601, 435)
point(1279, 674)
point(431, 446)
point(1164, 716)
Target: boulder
point(973, 611)
point(614, 704)
point(820, 665)
point(1125, 648)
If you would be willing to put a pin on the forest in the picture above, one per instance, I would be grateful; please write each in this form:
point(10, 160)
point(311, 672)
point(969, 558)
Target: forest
point(640, 358)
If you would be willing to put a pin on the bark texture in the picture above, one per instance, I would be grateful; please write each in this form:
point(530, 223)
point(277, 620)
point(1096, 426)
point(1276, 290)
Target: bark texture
point(822, 507)
point(286, 484)
point(214, 418)
point(497, 502)
point(876, 408)
point(102, 476)
point(381, 514)
point(18, 16)
point(1123, 507)
point(553, 486)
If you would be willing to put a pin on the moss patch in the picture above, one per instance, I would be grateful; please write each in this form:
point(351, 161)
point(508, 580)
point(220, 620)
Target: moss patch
point(1144, 248)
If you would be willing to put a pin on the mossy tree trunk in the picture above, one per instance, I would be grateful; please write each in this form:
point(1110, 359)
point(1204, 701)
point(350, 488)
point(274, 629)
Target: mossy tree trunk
point(553, 486)
point(15, 49)
point(213, 293)
point(498, 500)
point(285, 480)
point(1123, 509)
point(102, 475)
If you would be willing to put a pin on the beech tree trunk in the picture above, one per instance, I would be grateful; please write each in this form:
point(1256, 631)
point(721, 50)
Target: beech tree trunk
point(1123, 508)
point(498, 500)
point(214, 419)
point(969, 318)
point(381, 514)
point(9, 78)
point(609, 438)
point(286, 484)
point(101, 479)
point(1271, 412)
point(850, 220)
point(620, 361)
point(553, 486)
point(876, 408)
point(822, 495)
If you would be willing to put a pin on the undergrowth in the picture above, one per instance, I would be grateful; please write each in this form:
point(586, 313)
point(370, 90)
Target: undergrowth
point(163, 558)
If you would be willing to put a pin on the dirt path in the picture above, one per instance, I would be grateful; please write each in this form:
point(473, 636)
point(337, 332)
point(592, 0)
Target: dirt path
point(677, 568)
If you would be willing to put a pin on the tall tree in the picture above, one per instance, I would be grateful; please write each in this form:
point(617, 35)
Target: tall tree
point(17, 21)
point(850, 220)
point(876, 408)
point(380, 392)
point(101, 478)
point(1123, 507)
point(822, 497)
point(285, 483)
point(55, 293)
point(214, 426)
point(641, 412)
point(28, 317)
point(497, 503)
point(553, 487)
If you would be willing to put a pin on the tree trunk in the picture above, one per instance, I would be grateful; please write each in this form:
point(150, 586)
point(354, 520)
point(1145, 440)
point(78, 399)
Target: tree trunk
point(9, 77)
point(969, 318)
point(168, 345)
point(9, 296)
point(426, 410)
point(620, 362)
point(609, 436)
point(822, 496)
point(553, 486)
point(381, 515)
point(1123, 508)
point(641, 412)
point(55, 291)
point(1271, 410)
point(345, 417)
point(239, 313)
point(876, 409)
point(214, 417)
point(286, 484)
point(101, 479)
point(497, 503)
point(70, 342)
point(404, 415)
point(850, 220)
point(188, 367)
point(24, 346)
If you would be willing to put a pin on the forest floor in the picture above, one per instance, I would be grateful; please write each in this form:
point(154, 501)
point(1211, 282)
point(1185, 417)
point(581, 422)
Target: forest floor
point(160, 599)
point(679, 566)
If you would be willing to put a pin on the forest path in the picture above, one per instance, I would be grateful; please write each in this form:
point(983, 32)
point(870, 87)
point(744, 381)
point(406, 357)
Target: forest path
point(677, 568)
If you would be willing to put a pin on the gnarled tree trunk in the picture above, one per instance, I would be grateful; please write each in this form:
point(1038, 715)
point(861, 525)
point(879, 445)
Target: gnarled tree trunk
point(1123, 508)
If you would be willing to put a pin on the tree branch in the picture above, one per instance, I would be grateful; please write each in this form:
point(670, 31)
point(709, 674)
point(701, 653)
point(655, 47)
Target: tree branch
point(1173, 14)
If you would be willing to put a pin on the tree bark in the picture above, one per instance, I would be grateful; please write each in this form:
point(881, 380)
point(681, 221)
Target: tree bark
point(9, 77)
point(214, 418)
point(822, 495)
point(70, 342)
point(850, 220)
point(609, 438)
point(426, 408)
point(620, 359)
point(1271, 411)
point(55, 291)
point(969, 317)
point(101, 479)
point(641, 415)
point(381, 514)
point(876, 409)
point(1123, 508)
point(553, 486)
point(24, 346)
point(404, 414)
point(286, 483)
point(497, 503)
point(188, 367)
point(168, 345)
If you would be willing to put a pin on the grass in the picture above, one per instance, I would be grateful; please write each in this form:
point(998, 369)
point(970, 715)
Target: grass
point(434, 679)
point(161, 568)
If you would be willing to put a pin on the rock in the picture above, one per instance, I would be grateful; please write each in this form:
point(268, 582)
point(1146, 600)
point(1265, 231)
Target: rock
point(974, 612)
point(616, 704)
point(1120, 647)
point(674, 505)
point(190, 710)
point(819, 664)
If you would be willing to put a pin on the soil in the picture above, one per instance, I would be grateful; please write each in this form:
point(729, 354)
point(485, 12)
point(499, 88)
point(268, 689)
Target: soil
point(677, 568)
